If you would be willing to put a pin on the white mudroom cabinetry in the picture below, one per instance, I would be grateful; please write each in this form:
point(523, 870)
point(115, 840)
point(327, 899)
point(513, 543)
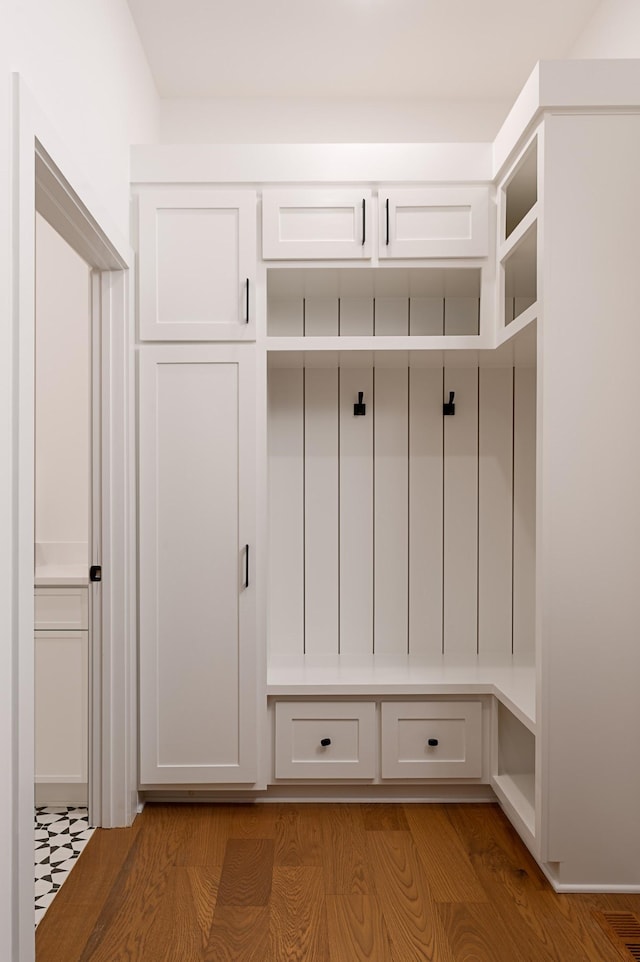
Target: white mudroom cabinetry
point(434, 222)
point(322, 224)
point(197, 265)
point(446, 481)
point(197, 534)
point(316, 224)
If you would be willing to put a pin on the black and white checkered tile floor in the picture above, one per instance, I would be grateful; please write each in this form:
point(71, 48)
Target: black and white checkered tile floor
point(60, 836)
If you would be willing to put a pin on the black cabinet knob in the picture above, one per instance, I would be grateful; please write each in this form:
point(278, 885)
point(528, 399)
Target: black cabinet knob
point(432, 742)
point(325, 742)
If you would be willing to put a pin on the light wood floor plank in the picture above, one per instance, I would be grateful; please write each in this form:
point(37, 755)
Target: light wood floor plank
point(253, 821)
point(477, 933)
point(490, 843)
point(238, 934)
point(357, 931)
point(440, 847)
point(82, 897)
point(180, 931)
point(298, 838)
point(344, 850)
point(402, 888)
point(384, 818)
point(322, 883)
point(124, 926)
point(207, 835)
point(298, 924)
point(574, 915)
point(247, 872)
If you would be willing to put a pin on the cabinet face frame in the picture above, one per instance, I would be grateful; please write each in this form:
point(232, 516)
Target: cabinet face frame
point(230, 311)
point(454, 222)
point(243, 701)
point(316, 224)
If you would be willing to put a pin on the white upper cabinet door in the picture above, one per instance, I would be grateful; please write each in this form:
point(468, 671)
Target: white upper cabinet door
point(197, 265)
point(434, 222)
point(316, 224)
point(198, 699)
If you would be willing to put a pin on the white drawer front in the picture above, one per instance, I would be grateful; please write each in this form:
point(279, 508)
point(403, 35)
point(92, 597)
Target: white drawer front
point(61, 609)
point(316, 224)
point(346, 728)
point(453, 728)
point(434, 222)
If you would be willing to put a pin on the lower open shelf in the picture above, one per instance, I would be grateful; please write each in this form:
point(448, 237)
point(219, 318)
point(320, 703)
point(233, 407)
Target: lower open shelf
point(518, 792)
point(514, 766)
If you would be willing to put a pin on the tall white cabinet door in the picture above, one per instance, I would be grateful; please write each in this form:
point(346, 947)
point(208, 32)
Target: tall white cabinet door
point(316, 224)
point(434, 222)
point(197, 265)
point(197, 541)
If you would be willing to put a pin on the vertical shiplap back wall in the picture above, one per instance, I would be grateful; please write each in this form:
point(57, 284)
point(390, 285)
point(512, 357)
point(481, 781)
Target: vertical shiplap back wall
point(403, 530)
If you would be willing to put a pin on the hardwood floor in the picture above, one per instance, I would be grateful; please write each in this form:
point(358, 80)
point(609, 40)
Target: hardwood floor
point(319, 883)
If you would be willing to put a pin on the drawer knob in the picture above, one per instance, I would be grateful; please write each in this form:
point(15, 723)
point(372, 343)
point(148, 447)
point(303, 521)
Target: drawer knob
point(325, 742)
point(432, 742)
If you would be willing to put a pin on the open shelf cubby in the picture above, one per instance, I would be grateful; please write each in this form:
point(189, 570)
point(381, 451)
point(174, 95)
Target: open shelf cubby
point(366, 302)
point(514, 767)
point(521, 190)
point(520, 275)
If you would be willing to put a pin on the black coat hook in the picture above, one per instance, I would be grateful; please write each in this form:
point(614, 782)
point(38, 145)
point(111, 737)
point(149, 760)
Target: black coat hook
point(449, 408)
point(359, 408)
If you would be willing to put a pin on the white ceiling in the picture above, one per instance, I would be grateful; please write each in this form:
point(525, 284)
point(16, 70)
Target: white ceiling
point(432, 49)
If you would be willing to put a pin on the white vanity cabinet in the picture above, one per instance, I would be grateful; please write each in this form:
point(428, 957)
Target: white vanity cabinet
point(197, 265)
point(61, 694)
point(197, 549)
point(433, 222)
point(316, 223)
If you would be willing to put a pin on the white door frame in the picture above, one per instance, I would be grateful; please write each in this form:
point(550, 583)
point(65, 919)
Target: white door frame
point(46, 178)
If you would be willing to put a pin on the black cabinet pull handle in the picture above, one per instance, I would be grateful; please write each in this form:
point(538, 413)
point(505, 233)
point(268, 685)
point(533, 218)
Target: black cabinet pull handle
point(432, 742)
point(364, 222)
point(246, 566)
point(386, 205)
point(325, 742)
point(247, 312)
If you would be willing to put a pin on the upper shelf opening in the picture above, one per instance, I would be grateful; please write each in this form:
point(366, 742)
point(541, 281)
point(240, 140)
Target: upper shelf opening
point(520, 276)
point(358, 302)
point(521, 190)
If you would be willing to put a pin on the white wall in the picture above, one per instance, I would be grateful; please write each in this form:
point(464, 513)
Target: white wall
point(7, 783)
point(62, 392)
point(83, 64)
point(612, 32)
point(228, 120)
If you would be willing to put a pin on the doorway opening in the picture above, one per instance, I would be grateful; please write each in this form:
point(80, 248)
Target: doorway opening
point(46, 180)
point(66, 500)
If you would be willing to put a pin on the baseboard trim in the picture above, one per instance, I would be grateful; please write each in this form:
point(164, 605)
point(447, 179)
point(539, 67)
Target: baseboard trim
point(408, 794)
point(60, 794)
